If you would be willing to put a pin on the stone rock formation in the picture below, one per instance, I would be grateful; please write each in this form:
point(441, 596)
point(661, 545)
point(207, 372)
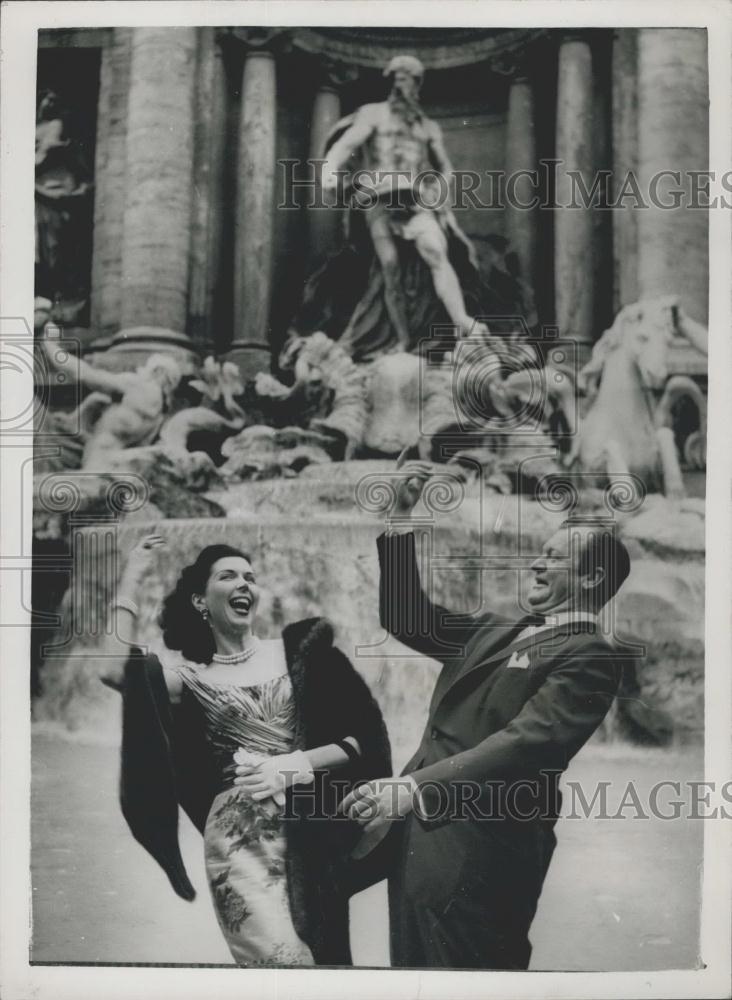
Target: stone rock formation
point(319, 417)
point(261, 452)
point(489, 423)
point(394, 414)
point(330, 385)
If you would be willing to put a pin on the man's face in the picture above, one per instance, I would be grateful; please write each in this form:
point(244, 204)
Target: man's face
point(556, 582)
point(406, 84)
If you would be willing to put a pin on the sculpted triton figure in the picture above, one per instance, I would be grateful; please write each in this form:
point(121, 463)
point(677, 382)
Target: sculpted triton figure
point(402, 185)
point(132, 405)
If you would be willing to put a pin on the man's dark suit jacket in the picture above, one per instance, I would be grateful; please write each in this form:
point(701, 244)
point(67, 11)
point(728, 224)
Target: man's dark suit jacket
point(497, 723)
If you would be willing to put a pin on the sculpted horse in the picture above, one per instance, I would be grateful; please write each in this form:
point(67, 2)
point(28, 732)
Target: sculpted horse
point(624, 430)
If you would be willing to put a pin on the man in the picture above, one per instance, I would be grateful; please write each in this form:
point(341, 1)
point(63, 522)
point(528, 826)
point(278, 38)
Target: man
point(513, 704)
point(403, 155)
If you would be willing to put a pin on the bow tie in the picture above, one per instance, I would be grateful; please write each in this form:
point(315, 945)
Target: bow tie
point(529, 625)
point(534, 620)
point(574, 620)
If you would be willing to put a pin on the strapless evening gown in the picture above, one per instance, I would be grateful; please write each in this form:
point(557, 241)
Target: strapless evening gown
point(244, 841)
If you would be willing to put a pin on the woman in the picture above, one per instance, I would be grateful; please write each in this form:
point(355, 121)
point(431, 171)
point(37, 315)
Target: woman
point(258, 740)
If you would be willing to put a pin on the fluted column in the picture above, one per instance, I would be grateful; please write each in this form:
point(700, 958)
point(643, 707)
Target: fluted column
point(521, 156)
point(673, 135)
point(625, 163)
point(573, 226)
point(159, 174)
point(110, 192)
point(207, 209)
point(254, 210)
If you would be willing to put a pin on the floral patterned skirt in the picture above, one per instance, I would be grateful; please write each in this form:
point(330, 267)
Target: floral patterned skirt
point(244, 847)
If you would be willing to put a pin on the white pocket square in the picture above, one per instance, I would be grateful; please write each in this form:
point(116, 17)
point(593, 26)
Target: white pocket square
point(518, 661)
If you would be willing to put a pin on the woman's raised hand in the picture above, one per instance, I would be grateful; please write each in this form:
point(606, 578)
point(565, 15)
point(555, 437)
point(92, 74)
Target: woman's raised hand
point(143, 556)
point(123, 601)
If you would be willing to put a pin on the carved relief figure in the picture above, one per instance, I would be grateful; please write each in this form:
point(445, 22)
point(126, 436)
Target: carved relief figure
point(132, 406)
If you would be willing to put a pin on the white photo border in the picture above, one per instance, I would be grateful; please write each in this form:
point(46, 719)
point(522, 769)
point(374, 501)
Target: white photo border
point(18, 979)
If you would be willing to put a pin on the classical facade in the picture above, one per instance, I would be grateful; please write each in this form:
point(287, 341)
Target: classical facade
point(187, 130)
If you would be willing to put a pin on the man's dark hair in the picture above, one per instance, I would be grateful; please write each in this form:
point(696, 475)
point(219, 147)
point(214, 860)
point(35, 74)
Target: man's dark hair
point(601, 548)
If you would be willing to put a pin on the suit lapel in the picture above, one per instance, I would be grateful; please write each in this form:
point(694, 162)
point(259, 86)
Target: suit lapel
point(482, 658)
point(486, 646)
point(486, 640)
point(489, 643)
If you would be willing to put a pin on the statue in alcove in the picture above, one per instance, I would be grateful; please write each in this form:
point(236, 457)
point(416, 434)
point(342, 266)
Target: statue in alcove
point(62, 209)
point(406, 266)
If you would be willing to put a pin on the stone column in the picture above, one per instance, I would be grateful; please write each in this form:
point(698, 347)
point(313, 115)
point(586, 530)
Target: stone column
point(325, 225)
point(207, 210)
point(110, 191)
point(322, 222)
point(573, 227)
point(255, 205)
point(157, 219)
point(625, 163)
point(673, 135)
point(521, 156)
point(602, 223)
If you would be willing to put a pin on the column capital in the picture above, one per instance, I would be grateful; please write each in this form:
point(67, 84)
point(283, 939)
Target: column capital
point(259, 40)
point(516, 63)
point(585, 35)
point(332, 74)
point(619, 33)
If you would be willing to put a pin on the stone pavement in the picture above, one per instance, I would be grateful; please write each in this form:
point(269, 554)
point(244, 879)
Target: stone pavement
point(621, 895)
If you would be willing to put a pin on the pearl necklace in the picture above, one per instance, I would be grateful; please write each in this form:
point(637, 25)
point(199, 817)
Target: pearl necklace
point(240, 657)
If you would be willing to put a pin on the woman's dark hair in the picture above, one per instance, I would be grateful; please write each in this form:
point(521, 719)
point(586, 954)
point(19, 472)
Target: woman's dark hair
point(183, 628)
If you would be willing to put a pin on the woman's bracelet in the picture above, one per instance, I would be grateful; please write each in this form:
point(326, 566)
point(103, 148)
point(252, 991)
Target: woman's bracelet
point(349, 750)
point(126, 604)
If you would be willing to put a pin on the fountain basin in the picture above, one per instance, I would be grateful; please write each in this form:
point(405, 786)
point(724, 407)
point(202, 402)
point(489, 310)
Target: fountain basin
point(317, 556)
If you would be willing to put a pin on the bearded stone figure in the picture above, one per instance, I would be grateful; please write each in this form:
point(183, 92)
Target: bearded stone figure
point(406, 266)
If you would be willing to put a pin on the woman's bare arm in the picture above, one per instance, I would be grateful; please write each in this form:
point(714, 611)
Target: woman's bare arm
point(331, 756)
point(123, 611)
